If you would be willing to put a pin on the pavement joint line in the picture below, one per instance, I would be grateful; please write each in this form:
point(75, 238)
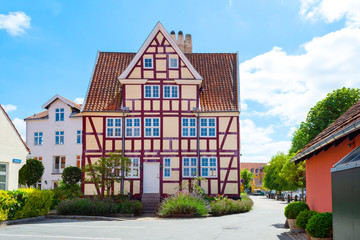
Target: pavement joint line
point(54, 236)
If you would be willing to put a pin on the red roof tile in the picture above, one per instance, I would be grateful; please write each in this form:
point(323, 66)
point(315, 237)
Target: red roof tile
point(40, 115)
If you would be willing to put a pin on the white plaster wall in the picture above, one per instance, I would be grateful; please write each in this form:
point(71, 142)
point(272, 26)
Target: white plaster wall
point(11, 147)
point(70, 149)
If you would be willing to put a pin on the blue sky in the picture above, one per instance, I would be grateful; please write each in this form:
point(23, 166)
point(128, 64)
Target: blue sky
point(292, 53)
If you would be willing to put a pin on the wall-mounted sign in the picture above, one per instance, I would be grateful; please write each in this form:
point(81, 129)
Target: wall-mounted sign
point(16, 160)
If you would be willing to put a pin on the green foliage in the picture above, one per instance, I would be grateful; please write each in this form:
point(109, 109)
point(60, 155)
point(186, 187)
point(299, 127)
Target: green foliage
point(31, 172)
point(106, 171)
point(273, 180)
point(193, 186)
point(71, 175)
point(320, 225)
point(303, 217)
point(292, 210)
point(86, 206)
point(223, 206)
point(183, 203)
point(323, 114)
point(247, 176)
point(129, 207)
point(294, 174)
point(6, 202)
point(64, 192)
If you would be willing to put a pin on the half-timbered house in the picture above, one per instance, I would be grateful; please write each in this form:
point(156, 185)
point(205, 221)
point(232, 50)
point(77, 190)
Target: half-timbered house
point(174, 113)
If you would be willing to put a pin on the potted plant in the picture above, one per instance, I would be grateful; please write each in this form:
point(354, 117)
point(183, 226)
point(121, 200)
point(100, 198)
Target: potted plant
point(303, 218)
point(320, 226)
point(292, 210)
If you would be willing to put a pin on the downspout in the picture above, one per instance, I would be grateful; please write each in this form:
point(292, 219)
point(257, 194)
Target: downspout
point(124, 109)
point(197, 110)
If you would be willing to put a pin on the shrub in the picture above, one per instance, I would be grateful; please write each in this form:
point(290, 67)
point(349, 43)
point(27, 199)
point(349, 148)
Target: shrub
point(183, 203)
point(86, 206)
point(223, 206)
point(65, 192)
point(293, 209)
point(6, 202)
point(71, 175)
point(303, 217)
point(31, 172)
point(129, 207)
point(320, 225)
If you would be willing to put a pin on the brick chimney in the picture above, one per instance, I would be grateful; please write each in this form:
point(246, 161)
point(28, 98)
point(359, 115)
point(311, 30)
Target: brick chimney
point(184, 45)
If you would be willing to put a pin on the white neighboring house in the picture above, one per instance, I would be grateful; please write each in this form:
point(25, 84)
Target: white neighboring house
point(55, 137)
point(13, 153)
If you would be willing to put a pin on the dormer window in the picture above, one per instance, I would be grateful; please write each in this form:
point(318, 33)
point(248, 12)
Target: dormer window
point(148, 62)
point(173, 63)
point(59, 114)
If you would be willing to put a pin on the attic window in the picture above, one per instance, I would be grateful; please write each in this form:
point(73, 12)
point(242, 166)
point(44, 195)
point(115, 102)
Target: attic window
point(173, 63)
point(148, 63)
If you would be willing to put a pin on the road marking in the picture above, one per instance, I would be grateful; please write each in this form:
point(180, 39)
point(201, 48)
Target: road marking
point(83, 226)
point(52, 236)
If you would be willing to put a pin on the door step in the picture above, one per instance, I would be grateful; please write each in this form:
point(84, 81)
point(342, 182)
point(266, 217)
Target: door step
point(150, 202)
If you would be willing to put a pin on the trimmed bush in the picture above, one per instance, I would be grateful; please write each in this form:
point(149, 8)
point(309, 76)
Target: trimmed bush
point(65, 192)
point(71, 175)
point(223, 206)
point(303, 218)
point(183, 203)
point(129, 207)
point(31, 172)
point(293, 209)
point(86, 206)
point(320, 225)
point(6, 202)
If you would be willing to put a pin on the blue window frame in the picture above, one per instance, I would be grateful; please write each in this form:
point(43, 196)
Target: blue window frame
point(207, 127)
point(59, 137)
point(171, 91)
point(189, 167)
point(188, 127)
point(152, 91)
point(59, 114)
point(79, 137)
point(113, 127)
point(208, 167)
point(133, 127)
point(148, 63)
point(167, 168)
point(152, 127)
point(38, 138)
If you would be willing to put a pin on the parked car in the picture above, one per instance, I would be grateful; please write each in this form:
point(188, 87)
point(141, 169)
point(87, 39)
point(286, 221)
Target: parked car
point(258, 192)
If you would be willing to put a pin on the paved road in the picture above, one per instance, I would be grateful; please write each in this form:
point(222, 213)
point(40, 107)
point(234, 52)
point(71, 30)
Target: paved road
point(265, 221)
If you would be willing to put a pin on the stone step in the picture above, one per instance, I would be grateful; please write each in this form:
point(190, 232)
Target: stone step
point(150, 202)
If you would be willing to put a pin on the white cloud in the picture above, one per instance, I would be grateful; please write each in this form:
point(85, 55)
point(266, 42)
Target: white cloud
point(21, 127)
point(332, 10)
point(9, 107)
point(289, 85)
point(15, 23)
point(79, 100)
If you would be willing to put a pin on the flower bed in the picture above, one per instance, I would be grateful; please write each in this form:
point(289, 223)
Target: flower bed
point(222, 205)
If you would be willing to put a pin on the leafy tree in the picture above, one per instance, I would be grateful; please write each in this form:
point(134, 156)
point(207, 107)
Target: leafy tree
point(31, 172)
point(71, 175)
point(294, 174)
point(247, 176)
point(106, 171)
point(273, 180)
point(323, 114)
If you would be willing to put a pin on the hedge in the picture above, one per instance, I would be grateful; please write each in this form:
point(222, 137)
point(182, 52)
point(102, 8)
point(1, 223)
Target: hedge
point(293, 209)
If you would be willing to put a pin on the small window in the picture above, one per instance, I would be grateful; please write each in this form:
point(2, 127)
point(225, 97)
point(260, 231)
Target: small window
point(189, 167)
point(38, 138)
point(171, 91)
point(113, 127)
point(134, 168)
point(148, 63)
point(208, 167)
point(59, 137)
point(174, 63)
point(79, 137)
point(252, 170)
point(188, 127)
point(152, 127)
point(38, 158)
point(207, 127)
point(152, 91)
point(133, 127)
point(78, 161)
point(59, 164)
point(3, 176)
point(59, 114)
point(167, 168)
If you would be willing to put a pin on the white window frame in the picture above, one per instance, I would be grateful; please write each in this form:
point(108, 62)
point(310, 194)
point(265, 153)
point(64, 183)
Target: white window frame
point(177, 62)
point(131, 130)
point(59, 114)
point(190, 167)
point(171, 91)
point(114, 128)
point(59, 137)
point(188, 128)
point(38, 138)
point(210, 168)
point(152, 63)
point(152, 91)
point(6, 176)
point(135, 165)
point(207, 127)
point(167, 166)
point(79, 134)
point(60, 167)
point(151, 127)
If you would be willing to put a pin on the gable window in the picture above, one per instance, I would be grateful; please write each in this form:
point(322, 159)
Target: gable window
point(59, 164)
point(188, 127)
point(171, 91)
point(113, 127)
point(173, 62)
point(38, 138)
point(59, 137)
point(133, 127)
point(189, 167)
point(134, 168)
point(59, 114)
point(208, 167)
point(79, 137)
point(3, 176)
point(167, 168)
point(207, 127)
point(152, 127)
point(152, 91)
point(148, 62)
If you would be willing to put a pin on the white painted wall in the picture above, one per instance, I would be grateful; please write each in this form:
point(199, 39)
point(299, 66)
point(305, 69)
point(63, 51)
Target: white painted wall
point(49, 149)
point(11, 147)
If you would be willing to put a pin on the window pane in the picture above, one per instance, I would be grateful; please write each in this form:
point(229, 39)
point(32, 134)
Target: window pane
point(193, 162)
point(167, 91)
point(147, 91)
point(193, 171)
point(192, 122)
point(185, 122)
point(110, 122)
point(212, 162)
point(203, 122)
point(137, 122)
point(156, 122)
point(212, 122)
point(174, 91)
point(186, 162)
point(2, 168)
point(135, 173)
point(167, 162)
point(136, 132)
point(185, 132)
point(148, 132)
point(129, 132)
point(110, 132)
point(212, 132)
point(203, 132)
point(129, 122)
point(204, 172)
point(156, 132)
point(148, 122)
point(186, 172)
point(117, 122)
point(155, 91)
point(204, 162)
point(167, 172)
point(212, 171)
point(2, 178)
point(192, 132)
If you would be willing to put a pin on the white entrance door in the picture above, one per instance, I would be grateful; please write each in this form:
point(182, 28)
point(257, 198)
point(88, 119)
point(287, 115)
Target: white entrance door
point(151, 177)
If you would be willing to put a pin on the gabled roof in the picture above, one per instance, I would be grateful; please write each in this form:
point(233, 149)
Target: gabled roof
point(65, 100)
point(159, 28)
point(219, 88)
point(346, 125)
point(12, 124)
point(41, 115)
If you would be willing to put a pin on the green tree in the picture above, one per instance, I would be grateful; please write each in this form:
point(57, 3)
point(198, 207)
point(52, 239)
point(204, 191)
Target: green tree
point(247, 176)
point(294, 174)
point(273, 180)
point(31, 172)
point(71, 175)
point(322, 115)
point(106, 171)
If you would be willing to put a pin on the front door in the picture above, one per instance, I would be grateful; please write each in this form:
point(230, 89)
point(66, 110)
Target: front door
point(151, 181)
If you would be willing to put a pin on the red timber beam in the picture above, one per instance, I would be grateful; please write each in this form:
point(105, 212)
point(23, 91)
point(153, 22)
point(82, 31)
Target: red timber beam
point(226, 133)
point(95, 134)
point(227, 175)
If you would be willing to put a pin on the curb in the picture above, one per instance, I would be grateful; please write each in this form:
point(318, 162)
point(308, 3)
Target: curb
point(76, 217)
point(23, 220)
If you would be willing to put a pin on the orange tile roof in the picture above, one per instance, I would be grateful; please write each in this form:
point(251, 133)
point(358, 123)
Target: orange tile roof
point(40, 115)
point(250, 165)
point(219, 70)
